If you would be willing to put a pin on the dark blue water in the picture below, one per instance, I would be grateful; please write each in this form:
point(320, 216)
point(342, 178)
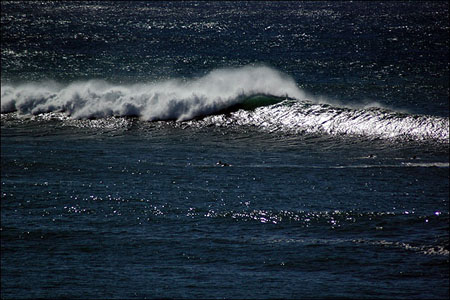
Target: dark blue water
point(224, 150)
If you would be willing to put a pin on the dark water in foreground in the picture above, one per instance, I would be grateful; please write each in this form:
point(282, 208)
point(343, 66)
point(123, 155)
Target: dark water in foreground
point(148, 150)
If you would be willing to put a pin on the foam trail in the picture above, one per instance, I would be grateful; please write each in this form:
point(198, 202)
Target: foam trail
point(166, 100)
point(305, 117)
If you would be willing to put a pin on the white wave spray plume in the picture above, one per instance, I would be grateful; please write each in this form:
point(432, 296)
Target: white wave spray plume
point(165, 100)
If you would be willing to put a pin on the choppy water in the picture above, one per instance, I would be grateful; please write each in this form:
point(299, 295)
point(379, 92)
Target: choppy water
point(224, 150)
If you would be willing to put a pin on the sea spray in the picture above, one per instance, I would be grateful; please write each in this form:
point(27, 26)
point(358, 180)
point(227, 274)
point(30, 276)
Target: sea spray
point(166, 100)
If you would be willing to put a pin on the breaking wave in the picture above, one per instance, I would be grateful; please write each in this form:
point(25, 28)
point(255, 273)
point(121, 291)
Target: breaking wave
point(249, 96)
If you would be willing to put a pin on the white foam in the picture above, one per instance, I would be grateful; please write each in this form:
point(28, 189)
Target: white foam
point(171, 99)
point(301, 116)
point(428, 164)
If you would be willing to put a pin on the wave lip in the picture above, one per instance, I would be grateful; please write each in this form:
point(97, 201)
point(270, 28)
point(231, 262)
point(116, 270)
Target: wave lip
point(166, 100)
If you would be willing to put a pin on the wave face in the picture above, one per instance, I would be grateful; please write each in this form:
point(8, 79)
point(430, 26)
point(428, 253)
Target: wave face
point(166, 100)
point(249, 96)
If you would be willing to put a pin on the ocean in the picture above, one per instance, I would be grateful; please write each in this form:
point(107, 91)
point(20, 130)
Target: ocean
point(225, 150)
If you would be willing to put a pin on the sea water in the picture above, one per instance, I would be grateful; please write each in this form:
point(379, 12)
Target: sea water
point(224, 150)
